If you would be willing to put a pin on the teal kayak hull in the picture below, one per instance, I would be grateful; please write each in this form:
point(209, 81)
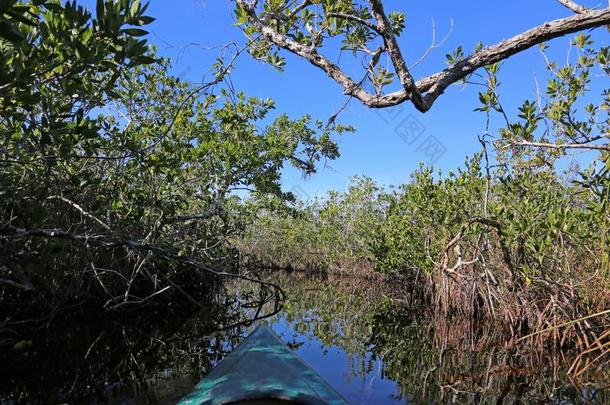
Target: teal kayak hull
point(262, 368)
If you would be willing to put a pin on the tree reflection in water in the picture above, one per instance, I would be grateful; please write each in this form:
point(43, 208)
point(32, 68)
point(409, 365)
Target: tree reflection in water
point(430, 361)
point(357, 339)
point(150, 354)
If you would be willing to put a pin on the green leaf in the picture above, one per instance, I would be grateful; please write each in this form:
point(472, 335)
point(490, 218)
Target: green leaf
point(135, 32)
point(145, 20)
point(135, 6)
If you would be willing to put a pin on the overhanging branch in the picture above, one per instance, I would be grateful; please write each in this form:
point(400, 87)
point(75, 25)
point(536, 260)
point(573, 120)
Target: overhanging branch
point(562, 146)
point(424, 92)
point(436, 84)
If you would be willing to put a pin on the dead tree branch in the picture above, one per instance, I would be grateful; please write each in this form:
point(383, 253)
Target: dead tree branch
point(424, 92)
point(453, 244)
point(575, 7)
point(561, 146)
point(410, 89)
point(110, 241)
point(434, 44)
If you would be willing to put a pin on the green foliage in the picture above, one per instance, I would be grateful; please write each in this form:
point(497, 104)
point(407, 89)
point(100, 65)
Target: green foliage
point(545, 224)
point(454, 57)
point(50, 50)
point(332, 232)
point(381, 78)
point(398, 21)
point(314, 24)
point(117, 176)
point(567, 116)
point(523, 236)
point(424, 214)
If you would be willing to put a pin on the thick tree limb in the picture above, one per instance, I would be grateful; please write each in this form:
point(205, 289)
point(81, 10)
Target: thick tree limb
point(424, 92)
point(349, 85)
point(435, 85)
point(391, 44)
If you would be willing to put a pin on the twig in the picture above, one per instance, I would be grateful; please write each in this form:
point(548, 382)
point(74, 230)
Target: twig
point(568, 323)
point(81, 210)
point(357, 19)
point(434, 45)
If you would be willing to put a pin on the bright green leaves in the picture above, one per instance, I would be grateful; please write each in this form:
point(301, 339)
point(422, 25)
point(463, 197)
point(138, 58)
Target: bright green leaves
point(275, 60)
point(397, 19)
point(381, 77)
point(528, 112)
point(455, 57)
point(312, 24)
point(17, 19)
point(571, 117)
point(357, 39)
point(603, 58)
point(582, 41)
point(135, 32)
point(537, 208)
point(255, 157)
point(424, 214)
point(71, 45)
point(66, 64)
point(226, 141)
point(54, 79)
point(542, 222)
point(241, 15)
point(524, 130)
point(489, 99)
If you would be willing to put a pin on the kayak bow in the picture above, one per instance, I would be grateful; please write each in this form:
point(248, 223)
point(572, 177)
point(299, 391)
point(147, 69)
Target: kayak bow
point(262, 370)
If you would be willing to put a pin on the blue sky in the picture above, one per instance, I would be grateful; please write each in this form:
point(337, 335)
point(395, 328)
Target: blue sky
point(189, 32)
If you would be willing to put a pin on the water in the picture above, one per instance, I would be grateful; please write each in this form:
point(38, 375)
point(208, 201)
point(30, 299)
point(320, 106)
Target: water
point(356, 340)
point(373, 354)
point(335, 365)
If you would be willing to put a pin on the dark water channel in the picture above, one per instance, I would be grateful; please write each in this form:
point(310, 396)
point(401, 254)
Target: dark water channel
point(358, 343)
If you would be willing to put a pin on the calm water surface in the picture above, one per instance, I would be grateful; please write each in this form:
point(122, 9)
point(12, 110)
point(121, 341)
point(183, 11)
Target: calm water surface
point(373, 355)
point(342, 370)
point(353, 338)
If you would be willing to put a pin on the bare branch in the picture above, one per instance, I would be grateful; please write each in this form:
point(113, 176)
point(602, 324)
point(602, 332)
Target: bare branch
point(391, 44)
point(424, 92)
point(434, 45)
point(560, 146)
point(575, 7)
point(454, 244)
point(81, 210)
point(298, 8)
point(108, 241)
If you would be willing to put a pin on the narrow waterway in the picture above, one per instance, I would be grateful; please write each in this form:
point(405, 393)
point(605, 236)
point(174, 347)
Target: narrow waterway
point(373, 354)
point(352, 336)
